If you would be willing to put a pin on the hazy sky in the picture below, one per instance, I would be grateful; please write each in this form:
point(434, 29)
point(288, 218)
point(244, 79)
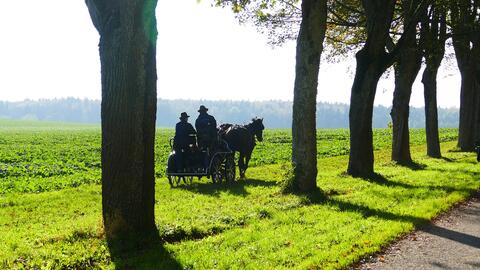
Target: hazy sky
point(49, 49)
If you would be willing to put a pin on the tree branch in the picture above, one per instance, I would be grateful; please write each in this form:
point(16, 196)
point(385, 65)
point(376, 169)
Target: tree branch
point(95, 14)
point(410, 26)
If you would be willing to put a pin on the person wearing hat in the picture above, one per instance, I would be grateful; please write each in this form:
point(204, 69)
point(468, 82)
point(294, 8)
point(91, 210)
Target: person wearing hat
point(206, 126)
point(184, 137)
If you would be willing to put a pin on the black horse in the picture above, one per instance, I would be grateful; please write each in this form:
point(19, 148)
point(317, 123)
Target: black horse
point(241, 138)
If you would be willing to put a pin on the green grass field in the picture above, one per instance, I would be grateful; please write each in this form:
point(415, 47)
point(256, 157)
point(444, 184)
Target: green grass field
point(50, 204)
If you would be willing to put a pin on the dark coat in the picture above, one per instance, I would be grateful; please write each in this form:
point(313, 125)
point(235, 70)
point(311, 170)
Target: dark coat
point(206, 126)
point(205, 122)
point(183, 132)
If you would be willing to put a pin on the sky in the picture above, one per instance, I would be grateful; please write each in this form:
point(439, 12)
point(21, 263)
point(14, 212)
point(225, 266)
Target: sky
point(49, 49)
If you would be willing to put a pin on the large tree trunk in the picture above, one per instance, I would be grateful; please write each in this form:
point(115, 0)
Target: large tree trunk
point(465, 34)
point(429, 81)
point(309, 49)
point(367, 75)
point(467, 132)
point(406, 70)
point(433, 36)
point(466, 58)
point(371, 63)
point(127, 52)
point(476, 53)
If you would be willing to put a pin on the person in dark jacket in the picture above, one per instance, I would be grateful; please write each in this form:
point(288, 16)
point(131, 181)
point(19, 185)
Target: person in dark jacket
point(184, 137)
point(206, 126)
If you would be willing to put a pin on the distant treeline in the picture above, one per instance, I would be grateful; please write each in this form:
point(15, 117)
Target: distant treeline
point(276, 114)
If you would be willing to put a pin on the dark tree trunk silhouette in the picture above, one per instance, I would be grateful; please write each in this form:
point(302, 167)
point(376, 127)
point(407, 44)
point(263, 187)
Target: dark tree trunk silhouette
point(405, 75)
point(127, 47)
point(309, 50)
point(468, 128)
point(466, 42)
point(360, 116)
point(372, 61)
point(433, 35)
point(429, 80)
point(469, 92)
point(406, 70)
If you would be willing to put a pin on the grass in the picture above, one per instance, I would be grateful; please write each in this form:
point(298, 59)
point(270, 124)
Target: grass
point(38, 156)
point(247, 225)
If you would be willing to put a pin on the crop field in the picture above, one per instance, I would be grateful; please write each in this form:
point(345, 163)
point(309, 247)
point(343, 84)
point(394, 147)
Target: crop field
point(50, 203)
point(36, 156)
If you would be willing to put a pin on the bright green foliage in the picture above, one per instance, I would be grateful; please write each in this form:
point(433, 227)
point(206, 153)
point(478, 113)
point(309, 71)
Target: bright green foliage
point(36, 158)
point(248, 224)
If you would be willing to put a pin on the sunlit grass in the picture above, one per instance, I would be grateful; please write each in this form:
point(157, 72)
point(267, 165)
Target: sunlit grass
point(46, 156)
point(248, 224)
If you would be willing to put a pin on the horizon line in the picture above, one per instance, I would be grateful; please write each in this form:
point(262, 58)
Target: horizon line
point(207, 100)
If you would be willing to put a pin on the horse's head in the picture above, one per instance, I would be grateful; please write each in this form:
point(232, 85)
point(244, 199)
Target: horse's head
point(258, 127)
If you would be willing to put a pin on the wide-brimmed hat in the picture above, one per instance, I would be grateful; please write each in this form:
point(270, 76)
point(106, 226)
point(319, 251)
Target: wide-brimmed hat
point(202, 109)
point(184, 115)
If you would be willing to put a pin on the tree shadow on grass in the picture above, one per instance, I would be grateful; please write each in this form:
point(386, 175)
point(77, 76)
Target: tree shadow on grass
point(447, 159)
point(418, 222)
point(236, 188)
point(472, 174)
point(379, 179)
point(319, 197)
point(413, 165)
point(383, 181)
point(142, 253)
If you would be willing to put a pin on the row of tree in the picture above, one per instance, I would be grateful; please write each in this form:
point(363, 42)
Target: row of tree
point(276, 114)
point(381, 32)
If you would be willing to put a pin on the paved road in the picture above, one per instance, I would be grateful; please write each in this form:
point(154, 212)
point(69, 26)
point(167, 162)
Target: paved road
point(451, 242)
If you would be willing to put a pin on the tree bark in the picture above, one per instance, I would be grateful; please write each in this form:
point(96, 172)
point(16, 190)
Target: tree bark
point(127, 48)
point(406, 70)
point(468, 128)
point(309, 50)
point(466, 42)
point(468, 96)
point(371, 63)
point(429, 81)
point(433, 37)
point(476, 55)
point(367, 75)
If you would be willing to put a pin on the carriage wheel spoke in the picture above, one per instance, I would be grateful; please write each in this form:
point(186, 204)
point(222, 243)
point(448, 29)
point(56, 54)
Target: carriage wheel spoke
point(217, 172)
point(230, 169)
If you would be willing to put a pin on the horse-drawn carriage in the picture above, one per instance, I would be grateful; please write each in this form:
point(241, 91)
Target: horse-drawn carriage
point(216, 162)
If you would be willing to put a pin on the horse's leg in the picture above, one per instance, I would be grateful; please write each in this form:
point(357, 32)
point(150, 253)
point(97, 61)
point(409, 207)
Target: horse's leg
point(247, 159)
point(241, 165)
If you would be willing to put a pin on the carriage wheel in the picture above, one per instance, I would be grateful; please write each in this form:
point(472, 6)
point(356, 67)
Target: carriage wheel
point(217, 170)
point(230, 169)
